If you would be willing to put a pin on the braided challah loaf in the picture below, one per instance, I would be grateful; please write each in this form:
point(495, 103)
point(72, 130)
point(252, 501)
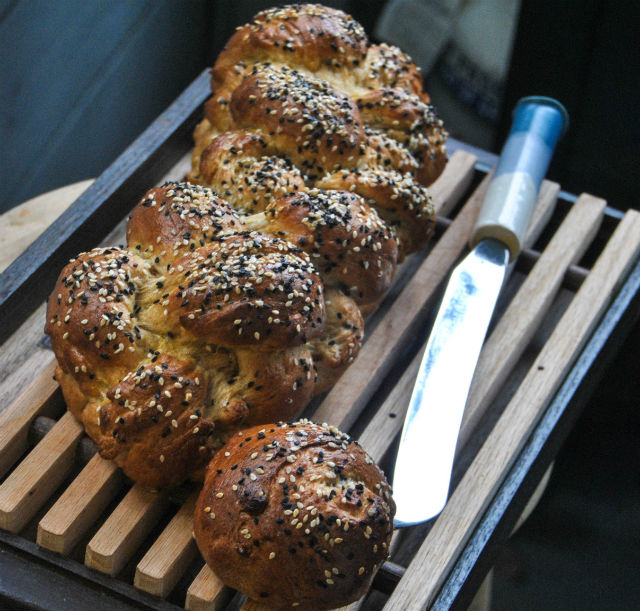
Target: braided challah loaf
point(301, 98)
point(239, 298)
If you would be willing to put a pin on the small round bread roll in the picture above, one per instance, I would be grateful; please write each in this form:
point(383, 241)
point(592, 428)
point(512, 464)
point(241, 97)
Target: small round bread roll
point(295, 516)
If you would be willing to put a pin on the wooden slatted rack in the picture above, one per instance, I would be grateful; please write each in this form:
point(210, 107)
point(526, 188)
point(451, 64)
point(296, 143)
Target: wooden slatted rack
point(65, 510)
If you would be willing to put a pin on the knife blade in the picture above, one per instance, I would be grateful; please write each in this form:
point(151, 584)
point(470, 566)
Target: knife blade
point(426, 452)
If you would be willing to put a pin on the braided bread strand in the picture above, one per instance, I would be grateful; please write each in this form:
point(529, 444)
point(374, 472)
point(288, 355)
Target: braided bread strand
point(239, 298)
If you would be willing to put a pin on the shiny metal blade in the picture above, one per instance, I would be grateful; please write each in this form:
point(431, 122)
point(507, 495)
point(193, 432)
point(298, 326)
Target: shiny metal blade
point(428, 442)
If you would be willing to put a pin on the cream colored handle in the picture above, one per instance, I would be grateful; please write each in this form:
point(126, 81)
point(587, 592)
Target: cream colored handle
point(506, 211)
point(538, 123)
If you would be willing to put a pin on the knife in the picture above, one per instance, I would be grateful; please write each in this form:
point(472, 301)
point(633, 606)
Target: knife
point(423, 466)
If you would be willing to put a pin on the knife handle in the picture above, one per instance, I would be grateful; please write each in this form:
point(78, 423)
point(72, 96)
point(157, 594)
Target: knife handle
point(538, 124)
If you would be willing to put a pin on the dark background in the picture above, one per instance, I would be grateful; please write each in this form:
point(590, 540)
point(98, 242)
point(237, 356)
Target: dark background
point(79, 81)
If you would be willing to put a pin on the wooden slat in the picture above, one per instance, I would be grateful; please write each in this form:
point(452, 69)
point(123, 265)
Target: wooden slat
point(519, 322)
point(124, 530)
point(170, 555)
point(385, 345)
point(354, 606)
point(79, 506)
point(438, 552)
point(507, 341)
point(207, 592)
point(453, 182)
point(38, 397)
point(33, 481)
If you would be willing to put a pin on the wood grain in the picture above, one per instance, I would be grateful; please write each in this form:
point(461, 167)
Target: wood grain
point(522, 318)
point(207, 592)
point(170, 555)
point(451, 185)
point(33, 481)
point(79, 506)
point(346, 400)
point(20, 226)
point(39, 397)
point(124, 530)
point(436, 555)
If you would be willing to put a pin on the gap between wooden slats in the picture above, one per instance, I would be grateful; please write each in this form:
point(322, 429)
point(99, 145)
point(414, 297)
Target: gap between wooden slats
point(35, 479)
point(355, 388)
point(435, 557)
point(39, 397)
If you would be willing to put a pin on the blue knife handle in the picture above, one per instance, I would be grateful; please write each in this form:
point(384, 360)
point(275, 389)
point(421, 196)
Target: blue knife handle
point(538, 124)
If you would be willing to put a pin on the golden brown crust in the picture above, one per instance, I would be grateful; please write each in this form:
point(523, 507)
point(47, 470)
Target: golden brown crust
point(316, 145)
point(177, 218)
point(405, 205)
point(164, 353)
point(153, 423)
point(305, 81)
point(408, 120)
point(294, 369)
point(313, 124)
point(387, 66)
point(241, 167)
point(351, 246)
point(340, 343)
point(91, 320)
point(306, 35)
point(226, 293)
point(283, 501)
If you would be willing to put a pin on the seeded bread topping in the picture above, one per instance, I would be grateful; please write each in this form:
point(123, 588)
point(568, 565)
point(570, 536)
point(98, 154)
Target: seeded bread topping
point(241, 293)
point(295, 516)
point(303, 84)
